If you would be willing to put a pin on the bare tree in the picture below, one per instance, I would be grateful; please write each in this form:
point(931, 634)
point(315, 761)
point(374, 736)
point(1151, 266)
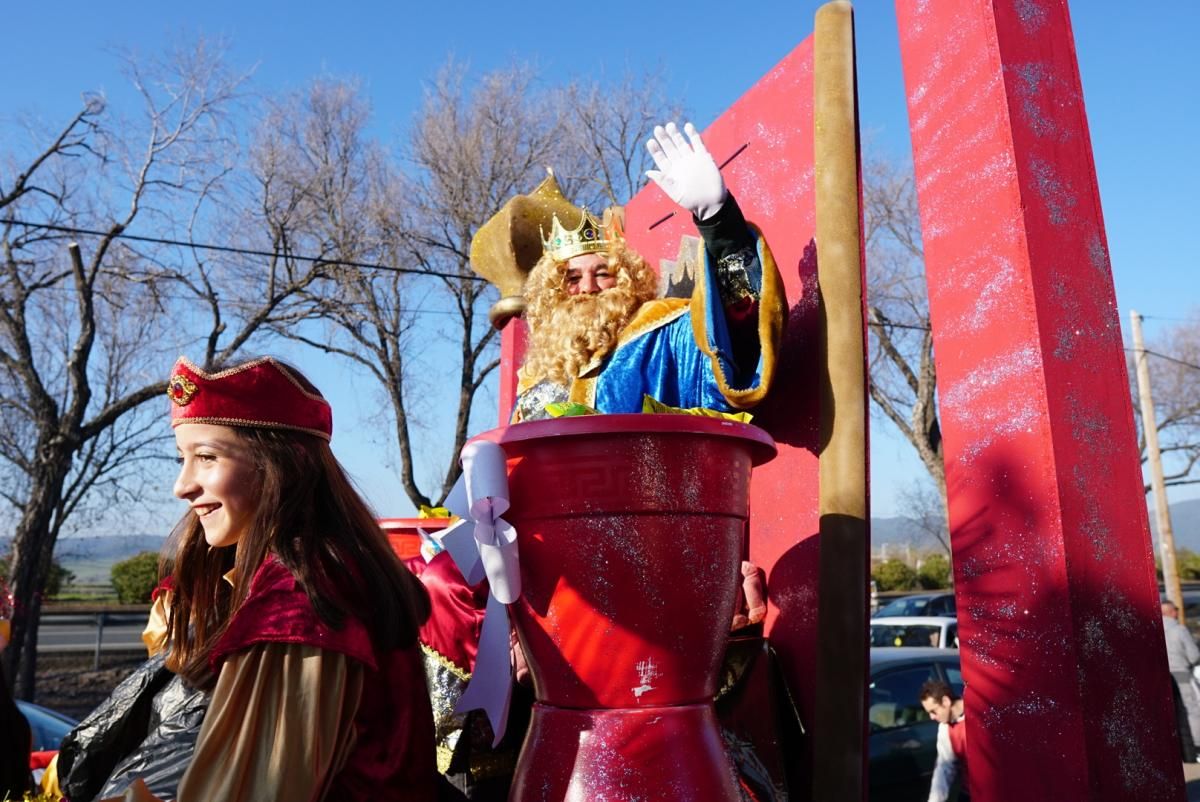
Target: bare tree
point(85, 333)
point(926, 511)
point(324, 187)
point(903, 377)
point(472, 146)
point(1175, 380)
point(606, 126)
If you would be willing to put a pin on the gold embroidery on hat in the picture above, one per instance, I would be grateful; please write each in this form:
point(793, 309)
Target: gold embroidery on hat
point(251, 423)
point(181, 390)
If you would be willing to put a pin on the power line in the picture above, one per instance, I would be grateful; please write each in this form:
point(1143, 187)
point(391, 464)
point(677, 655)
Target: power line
point(248, 305)
point(241, 251)
point(889, 324)
point(1172, 319)
point(1164, 356)
point(404, 270)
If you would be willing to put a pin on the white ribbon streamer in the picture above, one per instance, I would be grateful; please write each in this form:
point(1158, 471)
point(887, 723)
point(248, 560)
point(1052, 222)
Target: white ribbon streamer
point(483, 545)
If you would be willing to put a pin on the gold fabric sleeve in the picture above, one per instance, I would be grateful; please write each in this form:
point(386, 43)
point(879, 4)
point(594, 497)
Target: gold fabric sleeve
point(280, 726)
point(155, 633)
point(48, 785)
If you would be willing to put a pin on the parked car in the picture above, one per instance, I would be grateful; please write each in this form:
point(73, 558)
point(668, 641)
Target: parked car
point(48, 729)
point(915, 630)
point(941, 603)
point(902, 745)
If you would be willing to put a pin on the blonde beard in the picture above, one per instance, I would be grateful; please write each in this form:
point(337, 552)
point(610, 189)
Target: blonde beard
point(578, 330)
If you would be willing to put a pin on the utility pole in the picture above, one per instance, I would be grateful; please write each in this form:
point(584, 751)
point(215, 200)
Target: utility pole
point(1162, 514)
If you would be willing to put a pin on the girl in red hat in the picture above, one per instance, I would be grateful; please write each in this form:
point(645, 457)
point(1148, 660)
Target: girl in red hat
point(288, 603)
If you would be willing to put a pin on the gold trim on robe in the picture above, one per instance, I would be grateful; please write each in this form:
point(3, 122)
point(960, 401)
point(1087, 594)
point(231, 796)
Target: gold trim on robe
point(772, 318)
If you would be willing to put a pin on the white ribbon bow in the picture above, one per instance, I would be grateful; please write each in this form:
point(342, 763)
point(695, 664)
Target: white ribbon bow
point(482, 545)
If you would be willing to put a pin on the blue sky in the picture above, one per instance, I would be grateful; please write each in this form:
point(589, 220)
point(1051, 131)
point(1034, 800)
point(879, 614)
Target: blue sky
point(1140, 73)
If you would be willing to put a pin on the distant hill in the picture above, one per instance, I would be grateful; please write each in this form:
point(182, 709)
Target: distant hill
point(91, 558)
point(115, 547)
point(899, 532)
point(1185, 524)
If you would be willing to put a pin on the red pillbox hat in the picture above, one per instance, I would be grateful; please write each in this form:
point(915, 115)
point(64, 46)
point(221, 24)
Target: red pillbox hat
point(262, 393)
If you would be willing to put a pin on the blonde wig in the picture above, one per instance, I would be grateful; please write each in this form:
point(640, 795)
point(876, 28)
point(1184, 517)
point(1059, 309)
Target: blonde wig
point(566, 332)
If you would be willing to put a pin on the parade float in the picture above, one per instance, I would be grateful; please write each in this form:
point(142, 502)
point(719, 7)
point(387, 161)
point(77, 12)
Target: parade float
point(1053, 572)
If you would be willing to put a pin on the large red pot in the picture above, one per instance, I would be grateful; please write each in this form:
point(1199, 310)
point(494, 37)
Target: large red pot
point(630, 531)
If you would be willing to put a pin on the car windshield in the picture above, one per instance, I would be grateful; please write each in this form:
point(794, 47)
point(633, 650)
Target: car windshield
point(907, 605)
point(905, 635)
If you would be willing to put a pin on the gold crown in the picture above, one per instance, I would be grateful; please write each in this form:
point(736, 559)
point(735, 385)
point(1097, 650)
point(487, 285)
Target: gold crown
point(587, 237)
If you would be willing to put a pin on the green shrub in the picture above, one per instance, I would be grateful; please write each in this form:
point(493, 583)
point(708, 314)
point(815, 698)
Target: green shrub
point(894, 575)
point(1187, 563)
point(136, 578)
point(934, 572)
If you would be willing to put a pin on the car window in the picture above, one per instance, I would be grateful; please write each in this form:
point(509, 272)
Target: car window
point(893, 699)
point(906, 605)
point(905, 635)
point(954, 678)
point(952, 636)
point(943, 605)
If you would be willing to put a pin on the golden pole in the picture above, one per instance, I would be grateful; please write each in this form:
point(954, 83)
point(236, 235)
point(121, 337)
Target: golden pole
point(839, 727)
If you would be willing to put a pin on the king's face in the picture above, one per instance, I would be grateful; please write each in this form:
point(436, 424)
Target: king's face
point(588, 274)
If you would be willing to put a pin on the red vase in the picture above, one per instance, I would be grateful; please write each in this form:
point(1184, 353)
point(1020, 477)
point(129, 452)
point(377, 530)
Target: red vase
point(630, 532)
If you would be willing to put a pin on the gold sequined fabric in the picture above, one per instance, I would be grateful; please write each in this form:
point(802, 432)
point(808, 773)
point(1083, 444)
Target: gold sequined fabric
point(446, 683)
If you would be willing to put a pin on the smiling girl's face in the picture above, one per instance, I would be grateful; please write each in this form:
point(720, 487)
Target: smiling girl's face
point(217, 479)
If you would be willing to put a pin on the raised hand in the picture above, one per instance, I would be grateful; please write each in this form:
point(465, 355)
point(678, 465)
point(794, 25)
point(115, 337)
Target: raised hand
point(686, 171)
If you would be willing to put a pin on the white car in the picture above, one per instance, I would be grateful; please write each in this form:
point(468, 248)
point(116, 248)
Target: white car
point(915, 630)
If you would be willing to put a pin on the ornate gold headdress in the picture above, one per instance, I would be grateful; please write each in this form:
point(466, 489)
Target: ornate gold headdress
point(587, 237)
point(508, 245)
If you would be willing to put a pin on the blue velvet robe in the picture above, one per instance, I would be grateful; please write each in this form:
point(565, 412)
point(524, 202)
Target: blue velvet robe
point(679, 352)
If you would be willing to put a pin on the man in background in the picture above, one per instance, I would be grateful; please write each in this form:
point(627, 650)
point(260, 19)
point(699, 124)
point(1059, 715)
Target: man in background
point(950, 770)
point(1182, 656)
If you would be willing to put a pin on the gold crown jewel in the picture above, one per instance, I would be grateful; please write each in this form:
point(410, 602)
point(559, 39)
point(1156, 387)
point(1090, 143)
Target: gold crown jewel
point(587, 237)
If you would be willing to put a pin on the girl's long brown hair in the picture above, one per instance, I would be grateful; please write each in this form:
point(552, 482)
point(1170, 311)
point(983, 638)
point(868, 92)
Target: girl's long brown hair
point(314, 521)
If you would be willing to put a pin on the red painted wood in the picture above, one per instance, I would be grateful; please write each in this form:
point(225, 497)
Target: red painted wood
point(768, 133)
point(1058, 605)
point(512, 353)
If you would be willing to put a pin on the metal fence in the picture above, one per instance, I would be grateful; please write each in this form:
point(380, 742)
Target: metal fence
point(68, 630)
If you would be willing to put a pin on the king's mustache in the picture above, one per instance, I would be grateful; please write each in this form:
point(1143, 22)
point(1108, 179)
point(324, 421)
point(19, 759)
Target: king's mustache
point(591, 302)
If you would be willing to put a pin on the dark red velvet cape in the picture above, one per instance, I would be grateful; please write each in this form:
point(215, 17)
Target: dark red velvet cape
point(393, 757)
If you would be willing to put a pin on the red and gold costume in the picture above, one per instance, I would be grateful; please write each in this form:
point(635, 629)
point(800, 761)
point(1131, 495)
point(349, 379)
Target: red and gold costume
point(449, 643)
point(300, 710)
point(309, 711)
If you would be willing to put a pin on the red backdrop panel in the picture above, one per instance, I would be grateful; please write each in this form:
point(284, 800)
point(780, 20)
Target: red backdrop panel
point(767, 139)
point(1058, 606)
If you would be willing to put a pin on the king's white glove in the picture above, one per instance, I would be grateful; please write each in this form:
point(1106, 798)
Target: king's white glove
point(686, 171)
